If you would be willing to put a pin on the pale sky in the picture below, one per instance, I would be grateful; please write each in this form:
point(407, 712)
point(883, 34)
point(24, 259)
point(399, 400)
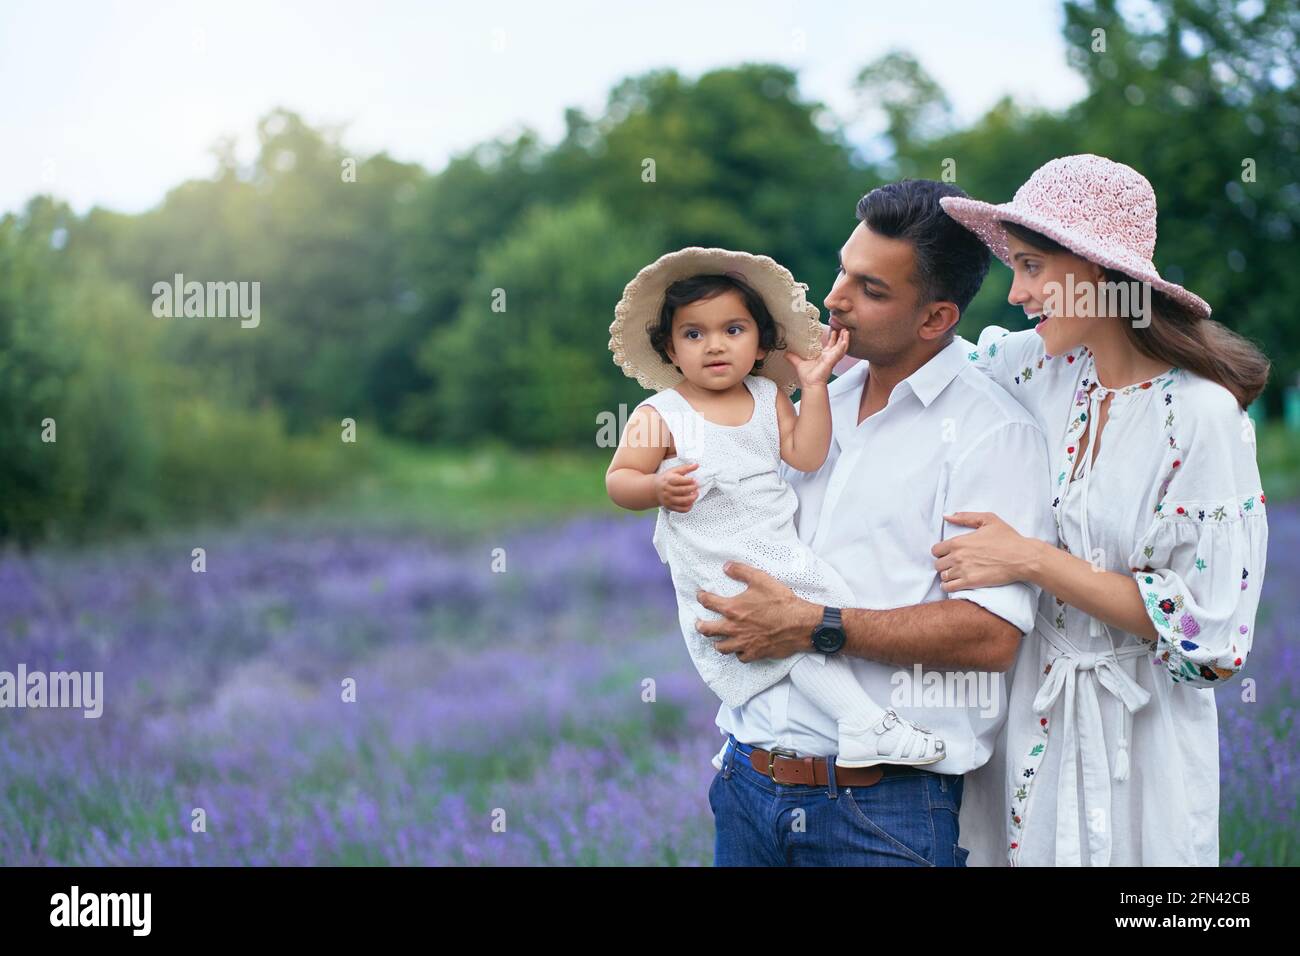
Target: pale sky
point(114, 103)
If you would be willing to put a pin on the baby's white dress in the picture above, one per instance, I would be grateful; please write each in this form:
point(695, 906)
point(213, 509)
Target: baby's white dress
point(744, 512)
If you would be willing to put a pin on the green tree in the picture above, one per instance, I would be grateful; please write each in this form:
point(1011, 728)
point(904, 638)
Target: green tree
point(916, 108)
point(1194, 94)
point(537, 373)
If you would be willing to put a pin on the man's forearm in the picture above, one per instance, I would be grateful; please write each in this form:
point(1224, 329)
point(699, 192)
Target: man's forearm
point(950, 634)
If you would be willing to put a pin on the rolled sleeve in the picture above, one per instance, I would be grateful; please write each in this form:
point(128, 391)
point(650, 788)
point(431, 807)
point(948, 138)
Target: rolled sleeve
point(1005, 473)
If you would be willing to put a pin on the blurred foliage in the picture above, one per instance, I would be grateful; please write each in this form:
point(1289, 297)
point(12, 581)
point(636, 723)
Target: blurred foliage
point(103, 430)
point(529, 371)
point(734, 159)
point(1185, 93)
point(378, 288)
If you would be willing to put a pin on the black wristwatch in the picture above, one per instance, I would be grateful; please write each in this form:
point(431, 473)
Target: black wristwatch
point(828, 637)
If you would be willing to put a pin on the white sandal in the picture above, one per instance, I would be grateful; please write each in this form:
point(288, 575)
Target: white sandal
point(912, 745)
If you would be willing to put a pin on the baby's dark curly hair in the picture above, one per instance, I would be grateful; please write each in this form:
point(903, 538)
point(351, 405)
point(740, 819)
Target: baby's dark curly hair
point(693, 289)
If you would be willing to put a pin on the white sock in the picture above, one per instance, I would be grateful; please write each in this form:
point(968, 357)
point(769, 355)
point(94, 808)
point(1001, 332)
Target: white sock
point(829, 683)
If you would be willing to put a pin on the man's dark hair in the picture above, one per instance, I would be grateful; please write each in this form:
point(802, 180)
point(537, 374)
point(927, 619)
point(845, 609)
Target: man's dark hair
point(685, 291)
point(951, 261)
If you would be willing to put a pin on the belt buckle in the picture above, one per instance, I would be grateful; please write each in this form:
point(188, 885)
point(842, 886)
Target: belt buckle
point(771, 760)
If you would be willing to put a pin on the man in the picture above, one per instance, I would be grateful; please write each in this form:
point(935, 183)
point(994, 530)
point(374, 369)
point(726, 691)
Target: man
point(919, 435)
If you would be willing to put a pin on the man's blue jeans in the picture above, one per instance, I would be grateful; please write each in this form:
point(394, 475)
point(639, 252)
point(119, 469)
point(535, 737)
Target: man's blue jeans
point(908, 818)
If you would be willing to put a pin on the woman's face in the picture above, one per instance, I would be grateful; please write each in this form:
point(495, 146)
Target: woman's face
point(1048, 286)
point(715, 341)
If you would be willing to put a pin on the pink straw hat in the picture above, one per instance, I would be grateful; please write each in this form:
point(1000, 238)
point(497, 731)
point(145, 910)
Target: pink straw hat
point(1099, 209)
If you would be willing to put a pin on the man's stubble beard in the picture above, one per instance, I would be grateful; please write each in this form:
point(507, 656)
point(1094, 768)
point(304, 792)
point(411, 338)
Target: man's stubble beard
point(874, 352)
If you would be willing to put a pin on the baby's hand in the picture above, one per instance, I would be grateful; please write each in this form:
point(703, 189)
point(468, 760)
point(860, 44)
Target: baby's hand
point(674, 490)
point(817, 371)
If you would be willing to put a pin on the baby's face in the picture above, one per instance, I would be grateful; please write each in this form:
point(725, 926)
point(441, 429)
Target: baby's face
point(715, 341)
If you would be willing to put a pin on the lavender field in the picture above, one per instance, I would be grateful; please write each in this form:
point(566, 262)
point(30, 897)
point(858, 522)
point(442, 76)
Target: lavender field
point(482, 696)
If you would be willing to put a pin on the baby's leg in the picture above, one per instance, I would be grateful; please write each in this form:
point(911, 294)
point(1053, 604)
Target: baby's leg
point(868, 734)
point(829, 683)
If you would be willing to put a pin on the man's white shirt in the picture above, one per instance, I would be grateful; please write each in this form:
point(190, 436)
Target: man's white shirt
point(948, 440)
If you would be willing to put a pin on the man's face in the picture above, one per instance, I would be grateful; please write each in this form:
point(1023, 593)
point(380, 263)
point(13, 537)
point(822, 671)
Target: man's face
point(876, 298)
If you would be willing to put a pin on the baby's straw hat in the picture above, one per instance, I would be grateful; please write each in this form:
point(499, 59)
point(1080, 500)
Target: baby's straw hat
point(1097, 208)
point(643, 298)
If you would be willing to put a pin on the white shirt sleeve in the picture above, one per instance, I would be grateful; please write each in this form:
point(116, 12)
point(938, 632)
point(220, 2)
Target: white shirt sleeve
point(1005, 472)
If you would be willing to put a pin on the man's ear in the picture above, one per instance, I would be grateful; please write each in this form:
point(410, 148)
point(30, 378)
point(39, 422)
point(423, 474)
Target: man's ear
point(941, 317)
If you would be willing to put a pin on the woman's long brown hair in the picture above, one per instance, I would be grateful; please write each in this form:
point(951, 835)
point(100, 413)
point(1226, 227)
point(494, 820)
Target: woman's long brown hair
point(1179, 336)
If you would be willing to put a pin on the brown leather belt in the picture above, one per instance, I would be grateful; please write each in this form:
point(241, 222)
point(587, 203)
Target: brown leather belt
point(782, 766)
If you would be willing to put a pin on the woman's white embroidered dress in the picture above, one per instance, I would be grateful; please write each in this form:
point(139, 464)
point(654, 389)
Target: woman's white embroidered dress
point(1112, 743)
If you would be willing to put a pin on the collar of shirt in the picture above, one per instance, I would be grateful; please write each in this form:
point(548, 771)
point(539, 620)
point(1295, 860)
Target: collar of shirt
point(926, 383)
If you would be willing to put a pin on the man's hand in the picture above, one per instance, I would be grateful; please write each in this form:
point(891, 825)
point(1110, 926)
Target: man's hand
point(766, 620)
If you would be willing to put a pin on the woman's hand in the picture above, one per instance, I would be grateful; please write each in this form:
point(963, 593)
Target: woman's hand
point(674, 490)
point(993, 555)
point(817, 371)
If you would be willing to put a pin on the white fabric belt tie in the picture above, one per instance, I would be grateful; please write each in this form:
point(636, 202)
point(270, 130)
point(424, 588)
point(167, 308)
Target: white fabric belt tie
point(1078, 674)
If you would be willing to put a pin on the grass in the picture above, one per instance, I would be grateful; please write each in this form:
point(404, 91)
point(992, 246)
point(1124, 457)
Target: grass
point(1278, 452)
point(493, 485)
point(469, 491)
point(458, 493)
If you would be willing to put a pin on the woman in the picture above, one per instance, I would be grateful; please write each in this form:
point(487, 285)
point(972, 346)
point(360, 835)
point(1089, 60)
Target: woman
point(1148, 602)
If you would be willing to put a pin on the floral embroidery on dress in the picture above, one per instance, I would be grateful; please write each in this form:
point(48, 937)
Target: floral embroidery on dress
point(1020, 795)
point(991, 351)
point(1162, 611)
point(1167, 509)
point(1079, 422)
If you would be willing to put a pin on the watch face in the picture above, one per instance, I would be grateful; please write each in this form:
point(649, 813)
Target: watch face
point(828, 639)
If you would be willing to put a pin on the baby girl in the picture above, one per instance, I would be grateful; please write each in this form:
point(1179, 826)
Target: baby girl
point(724, 337)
